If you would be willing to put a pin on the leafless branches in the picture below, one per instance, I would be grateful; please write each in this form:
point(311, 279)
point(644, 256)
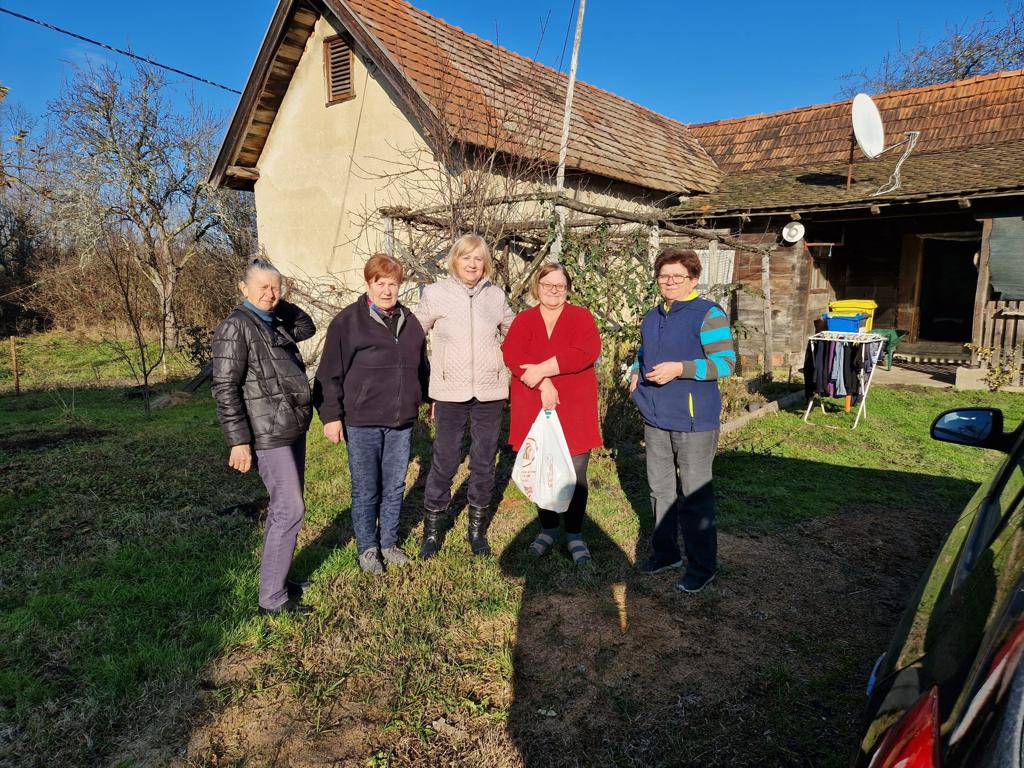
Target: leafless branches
point(124, 160)
point(969, 49)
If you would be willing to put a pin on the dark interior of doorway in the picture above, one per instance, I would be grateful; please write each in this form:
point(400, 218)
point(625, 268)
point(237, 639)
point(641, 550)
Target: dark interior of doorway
point(948, 282)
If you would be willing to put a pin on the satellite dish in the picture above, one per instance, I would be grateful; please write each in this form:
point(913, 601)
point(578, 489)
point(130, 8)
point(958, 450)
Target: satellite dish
point(867, 126)
point(793, 232)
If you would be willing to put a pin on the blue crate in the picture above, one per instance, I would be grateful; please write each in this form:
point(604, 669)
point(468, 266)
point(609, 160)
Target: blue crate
point(845, 323)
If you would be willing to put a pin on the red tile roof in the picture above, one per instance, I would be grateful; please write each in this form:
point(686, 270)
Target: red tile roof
point(470, 81)
point(964, 113)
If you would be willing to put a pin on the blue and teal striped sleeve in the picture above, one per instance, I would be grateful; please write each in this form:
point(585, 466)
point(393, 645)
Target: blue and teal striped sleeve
point(719, 359)
point(635, 367)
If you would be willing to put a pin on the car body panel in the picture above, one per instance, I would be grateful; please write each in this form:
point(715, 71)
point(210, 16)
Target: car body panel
point(964, 607)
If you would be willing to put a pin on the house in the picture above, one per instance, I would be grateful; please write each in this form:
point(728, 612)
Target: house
point(357, 105)
point(942, 255)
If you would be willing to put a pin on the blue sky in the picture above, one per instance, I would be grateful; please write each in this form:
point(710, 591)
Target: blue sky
point(690, 61)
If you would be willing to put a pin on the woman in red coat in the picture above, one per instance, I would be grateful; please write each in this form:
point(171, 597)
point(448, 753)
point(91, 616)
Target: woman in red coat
point(551, 350)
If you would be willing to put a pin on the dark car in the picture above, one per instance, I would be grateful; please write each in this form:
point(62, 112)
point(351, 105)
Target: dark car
point(950, 689)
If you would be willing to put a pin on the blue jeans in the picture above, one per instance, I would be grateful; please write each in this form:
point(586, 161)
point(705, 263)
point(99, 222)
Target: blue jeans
point(378, 460)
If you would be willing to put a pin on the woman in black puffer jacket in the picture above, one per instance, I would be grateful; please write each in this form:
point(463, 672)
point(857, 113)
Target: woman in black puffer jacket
point(263, 403)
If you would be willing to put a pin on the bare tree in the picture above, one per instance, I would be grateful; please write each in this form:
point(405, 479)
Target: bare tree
point(117, 261)
point(126, 161)
point(25, 244)
point(485, 165)
point(969, 49)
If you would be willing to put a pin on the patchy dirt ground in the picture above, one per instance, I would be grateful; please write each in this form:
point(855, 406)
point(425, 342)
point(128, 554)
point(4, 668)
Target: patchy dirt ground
point(767, 669)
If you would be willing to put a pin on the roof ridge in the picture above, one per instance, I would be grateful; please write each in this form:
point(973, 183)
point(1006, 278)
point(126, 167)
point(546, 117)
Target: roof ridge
point(882, 95)
point(535, 62)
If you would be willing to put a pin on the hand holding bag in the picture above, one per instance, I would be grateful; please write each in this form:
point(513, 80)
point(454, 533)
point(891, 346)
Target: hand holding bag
point(543, 470)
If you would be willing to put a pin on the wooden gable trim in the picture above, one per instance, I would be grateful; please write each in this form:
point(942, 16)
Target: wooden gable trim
point(279, 55)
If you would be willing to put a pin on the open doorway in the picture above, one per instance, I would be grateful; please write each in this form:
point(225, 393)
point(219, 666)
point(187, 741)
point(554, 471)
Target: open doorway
point(948, 282)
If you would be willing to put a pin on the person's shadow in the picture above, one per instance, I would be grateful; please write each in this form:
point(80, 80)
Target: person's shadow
point(577, 653)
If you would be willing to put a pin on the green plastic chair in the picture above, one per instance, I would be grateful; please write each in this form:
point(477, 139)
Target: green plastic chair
point(893, 337)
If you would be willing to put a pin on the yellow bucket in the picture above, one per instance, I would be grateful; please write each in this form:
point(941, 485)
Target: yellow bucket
point(849, 307)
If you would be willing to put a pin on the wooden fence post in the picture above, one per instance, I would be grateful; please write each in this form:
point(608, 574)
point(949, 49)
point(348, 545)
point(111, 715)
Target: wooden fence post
point(981, 292)
point(14, 365)
point(766, 287)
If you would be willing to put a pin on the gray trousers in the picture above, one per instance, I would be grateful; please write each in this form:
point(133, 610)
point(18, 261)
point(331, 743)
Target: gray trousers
point(283, 471)
point(682, 497)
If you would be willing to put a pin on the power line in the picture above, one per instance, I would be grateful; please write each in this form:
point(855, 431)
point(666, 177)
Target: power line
point(129, 54)
point(568, 30)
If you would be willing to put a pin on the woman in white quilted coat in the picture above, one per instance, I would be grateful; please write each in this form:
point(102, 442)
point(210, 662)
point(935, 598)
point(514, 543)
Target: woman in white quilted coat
point(466, 316)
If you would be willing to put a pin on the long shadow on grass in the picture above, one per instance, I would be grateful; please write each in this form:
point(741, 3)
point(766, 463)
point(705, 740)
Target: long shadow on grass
point(119, 579)
point(569, 625)
point(615, 668)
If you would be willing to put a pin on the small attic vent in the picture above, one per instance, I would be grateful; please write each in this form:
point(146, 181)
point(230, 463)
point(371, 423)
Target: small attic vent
point(338, 69)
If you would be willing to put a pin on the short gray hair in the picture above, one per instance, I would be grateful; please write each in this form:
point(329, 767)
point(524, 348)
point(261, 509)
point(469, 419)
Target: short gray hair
point(258, 263)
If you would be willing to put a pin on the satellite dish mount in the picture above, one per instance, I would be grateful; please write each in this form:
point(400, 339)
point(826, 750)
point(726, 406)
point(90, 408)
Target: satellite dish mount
point(869, 134)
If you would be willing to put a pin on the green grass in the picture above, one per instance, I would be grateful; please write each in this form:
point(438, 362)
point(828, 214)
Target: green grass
point(128, 589)
point(772, 472)
point(61, 360)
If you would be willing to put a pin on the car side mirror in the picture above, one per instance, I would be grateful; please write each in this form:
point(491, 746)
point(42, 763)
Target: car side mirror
point(979, 427)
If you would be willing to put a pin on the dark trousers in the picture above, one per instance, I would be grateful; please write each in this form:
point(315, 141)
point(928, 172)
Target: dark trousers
point(378, 461)
point(484, 420)
point(682, 497)
point(577, 506)
point(283, 472)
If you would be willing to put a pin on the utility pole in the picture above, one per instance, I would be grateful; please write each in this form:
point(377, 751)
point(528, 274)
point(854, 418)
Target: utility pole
point(556, 247)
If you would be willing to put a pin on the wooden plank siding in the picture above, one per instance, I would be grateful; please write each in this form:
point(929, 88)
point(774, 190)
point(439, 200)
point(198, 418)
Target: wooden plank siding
point(790, 275)
point(1003, 333)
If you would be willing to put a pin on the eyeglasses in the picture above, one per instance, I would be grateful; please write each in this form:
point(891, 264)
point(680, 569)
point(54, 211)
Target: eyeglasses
point(554, 287)
point(673, 279)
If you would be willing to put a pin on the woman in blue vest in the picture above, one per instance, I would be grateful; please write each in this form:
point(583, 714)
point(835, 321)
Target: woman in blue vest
point(686, 346)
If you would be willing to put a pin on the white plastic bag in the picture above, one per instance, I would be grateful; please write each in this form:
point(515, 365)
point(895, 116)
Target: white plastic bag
point(543, 470)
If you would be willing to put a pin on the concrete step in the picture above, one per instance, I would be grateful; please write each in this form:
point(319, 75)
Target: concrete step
point(944, 359)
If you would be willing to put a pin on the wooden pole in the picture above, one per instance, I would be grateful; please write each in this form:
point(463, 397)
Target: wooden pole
point(389, 236)
point(14, 365)
point(766, 287)
point(981, 291)
point(563, 150)
point(653, 243)
point(849, 163)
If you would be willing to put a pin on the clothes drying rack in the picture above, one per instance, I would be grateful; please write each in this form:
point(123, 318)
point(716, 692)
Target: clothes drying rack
point(849, 338)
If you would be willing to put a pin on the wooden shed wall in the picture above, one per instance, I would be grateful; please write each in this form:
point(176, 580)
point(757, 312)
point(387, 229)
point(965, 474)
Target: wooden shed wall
point(790, 274)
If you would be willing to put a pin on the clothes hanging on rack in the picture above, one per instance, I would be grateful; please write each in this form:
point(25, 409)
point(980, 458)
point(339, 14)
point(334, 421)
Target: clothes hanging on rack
point(834, 368)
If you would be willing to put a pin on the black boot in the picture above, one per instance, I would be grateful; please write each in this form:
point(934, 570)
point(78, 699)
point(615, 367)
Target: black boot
point(479, 519)
point(433, 522)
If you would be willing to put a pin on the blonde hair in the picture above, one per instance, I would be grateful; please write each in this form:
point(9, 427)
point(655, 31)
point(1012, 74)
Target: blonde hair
point(468, 244)
point(543, 272)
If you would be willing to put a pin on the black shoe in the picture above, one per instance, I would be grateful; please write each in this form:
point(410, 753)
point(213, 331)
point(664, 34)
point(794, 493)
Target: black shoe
point(654, 565)
point(479, 520)
point(296, 589)
point(691, 583)
point(433, 524)
point(289, 606)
